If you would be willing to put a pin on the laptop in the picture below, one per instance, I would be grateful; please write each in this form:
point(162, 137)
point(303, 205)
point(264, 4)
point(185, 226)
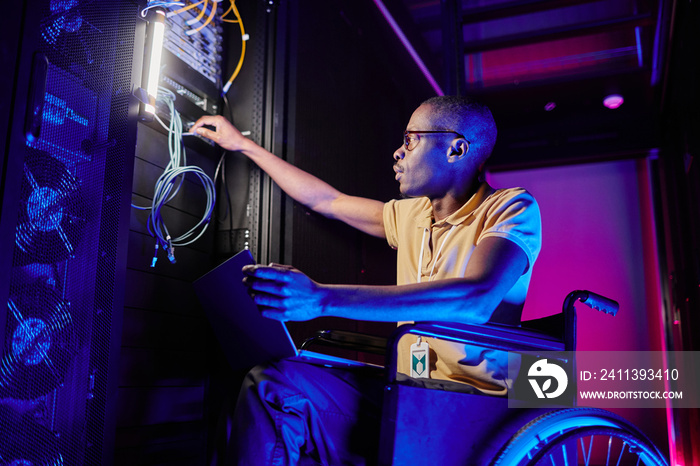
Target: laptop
point(246, 337)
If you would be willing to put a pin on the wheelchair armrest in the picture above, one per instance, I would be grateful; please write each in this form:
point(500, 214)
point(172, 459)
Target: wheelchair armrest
point(348, 340)
point(494, 336)
point(552, 333)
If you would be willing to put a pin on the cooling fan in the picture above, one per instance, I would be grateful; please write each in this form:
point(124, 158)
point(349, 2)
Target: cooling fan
point(68, 31)
point(40, 342)
point(49, 224)
point(21, 435)
point(65, 18)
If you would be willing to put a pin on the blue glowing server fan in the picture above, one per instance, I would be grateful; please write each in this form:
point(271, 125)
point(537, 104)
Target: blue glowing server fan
point(28, 434)
point(40, 344)
point(65, 181)
point(50, 214)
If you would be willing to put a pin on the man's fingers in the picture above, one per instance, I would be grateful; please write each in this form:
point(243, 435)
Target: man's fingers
point(275, 315)
point(266, 272)
point(206, 120)
point(281, 266)
point(207, 133)
point(266, 286)
point(269, 304)
point(198, 127)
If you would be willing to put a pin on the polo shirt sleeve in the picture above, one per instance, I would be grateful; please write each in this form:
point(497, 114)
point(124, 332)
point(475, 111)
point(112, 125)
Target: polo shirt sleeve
point(391, 223)
point(515, 216)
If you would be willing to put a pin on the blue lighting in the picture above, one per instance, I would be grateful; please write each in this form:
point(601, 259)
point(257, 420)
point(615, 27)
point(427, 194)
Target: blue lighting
point(52, 32)
point(27, 439)
point(45, 272)
point(30, 342)
point(21, 462)
point(73, 21)
point(43, 208)
point(41, 346)
point(48, 227)
point(56, 111)
point(59, 6)
point(68, 117)
point(69, 22)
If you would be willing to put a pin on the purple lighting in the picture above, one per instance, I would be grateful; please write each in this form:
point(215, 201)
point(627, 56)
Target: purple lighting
point(613, 101)
point(550, 106)
point(409, 48)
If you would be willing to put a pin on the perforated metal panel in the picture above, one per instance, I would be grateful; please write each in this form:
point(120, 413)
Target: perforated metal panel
point(69, 180)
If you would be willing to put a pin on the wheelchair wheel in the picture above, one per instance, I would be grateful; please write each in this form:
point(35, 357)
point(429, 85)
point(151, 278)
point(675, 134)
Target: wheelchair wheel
point(579, 436)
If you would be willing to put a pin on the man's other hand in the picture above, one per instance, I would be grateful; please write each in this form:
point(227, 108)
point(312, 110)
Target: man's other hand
point(283, 292)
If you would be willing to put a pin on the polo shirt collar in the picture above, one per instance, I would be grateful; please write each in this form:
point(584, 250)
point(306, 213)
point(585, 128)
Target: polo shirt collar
point(425, 218)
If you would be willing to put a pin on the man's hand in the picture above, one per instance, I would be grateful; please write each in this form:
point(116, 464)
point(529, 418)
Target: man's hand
point(224, 134)
point(283, 292)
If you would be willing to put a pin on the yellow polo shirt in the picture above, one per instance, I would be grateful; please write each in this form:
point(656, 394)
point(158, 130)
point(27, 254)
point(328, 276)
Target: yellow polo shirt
point(512, 214)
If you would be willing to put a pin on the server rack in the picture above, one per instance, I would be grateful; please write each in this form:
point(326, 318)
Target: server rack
point(67, 164)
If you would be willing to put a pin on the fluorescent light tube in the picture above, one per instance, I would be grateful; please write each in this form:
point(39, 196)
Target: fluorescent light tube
point(154, 57)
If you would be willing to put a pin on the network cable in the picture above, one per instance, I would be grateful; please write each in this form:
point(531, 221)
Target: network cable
point(202, 6)
point(169, 184)
point(244, 39)
point(206, 22)
point(185, 8)
point(159, 5)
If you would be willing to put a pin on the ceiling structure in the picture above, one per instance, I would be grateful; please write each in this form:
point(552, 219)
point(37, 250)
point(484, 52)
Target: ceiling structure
point(545, 66)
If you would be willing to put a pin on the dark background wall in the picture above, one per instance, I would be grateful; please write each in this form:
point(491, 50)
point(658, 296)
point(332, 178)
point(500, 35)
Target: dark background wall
point(166, 351)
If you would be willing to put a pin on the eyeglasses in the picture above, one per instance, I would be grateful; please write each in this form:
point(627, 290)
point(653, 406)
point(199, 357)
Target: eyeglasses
point(410, 141)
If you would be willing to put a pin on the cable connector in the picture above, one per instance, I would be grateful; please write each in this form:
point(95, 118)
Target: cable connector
point(155, 256)
point(170, 250)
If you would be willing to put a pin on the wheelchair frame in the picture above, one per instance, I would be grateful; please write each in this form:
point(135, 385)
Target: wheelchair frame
point(497, 436)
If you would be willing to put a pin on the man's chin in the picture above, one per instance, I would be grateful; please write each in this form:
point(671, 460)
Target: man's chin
point(406, 193)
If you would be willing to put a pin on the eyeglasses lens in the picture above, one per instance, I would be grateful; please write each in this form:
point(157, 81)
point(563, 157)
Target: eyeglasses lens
point(410, 140)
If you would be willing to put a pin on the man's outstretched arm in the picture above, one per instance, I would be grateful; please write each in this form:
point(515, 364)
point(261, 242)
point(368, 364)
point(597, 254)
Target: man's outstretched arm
point(284, 293)
point(361, 213)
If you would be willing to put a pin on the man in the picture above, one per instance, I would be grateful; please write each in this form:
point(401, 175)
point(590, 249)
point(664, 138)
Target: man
point(465, 254)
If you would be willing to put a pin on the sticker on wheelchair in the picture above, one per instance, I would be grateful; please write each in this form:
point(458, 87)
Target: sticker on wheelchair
point(420, 359)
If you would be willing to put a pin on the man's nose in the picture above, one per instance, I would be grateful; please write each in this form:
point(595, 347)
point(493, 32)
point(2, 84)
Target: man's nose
point(400, 153)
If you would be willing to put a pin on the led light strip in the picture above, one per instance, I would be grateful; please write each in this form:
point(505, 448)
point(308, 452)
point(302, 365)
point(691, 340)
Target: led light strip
point(154, 59)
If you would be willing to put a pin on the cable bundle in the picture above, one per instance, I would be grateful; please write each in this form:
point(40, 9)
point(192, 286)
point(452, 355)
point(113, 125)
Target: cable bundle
point(169, 183)
point(202, 6)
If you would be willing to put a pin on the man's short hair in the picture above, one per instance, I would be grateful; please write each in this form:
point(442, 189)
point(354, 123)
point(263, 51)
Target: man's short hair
point(470, 118)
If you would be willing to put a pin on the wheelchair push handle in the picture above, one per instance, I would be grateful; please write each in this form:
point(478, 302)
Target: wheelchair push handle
point(594, 301)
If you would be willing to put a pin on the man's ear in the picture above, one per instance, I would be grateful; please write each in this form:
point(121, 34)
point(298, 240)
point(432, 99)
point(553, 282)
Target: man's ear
point(457, 150)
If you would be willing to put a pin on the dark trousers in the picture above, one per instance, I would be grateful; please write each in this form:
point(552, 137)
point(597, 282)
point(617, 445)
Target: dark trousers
point(291, 412)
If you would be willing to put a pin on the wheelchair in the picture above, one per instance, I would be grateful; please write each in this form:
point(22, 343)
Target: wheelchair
point(453, 428)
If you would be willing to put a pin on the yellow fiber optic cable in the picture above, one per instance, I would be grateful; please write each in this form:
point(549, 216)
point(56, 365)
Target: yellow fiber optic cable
point(223, 16)
point(183, 9)
point(199, 17)
point(244, 38)
point(214, 6)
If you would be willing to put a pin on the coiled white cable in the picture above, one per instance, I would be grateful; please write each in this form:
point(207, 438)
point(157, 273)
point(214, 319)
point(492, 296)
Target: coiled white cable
point(169, 183)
